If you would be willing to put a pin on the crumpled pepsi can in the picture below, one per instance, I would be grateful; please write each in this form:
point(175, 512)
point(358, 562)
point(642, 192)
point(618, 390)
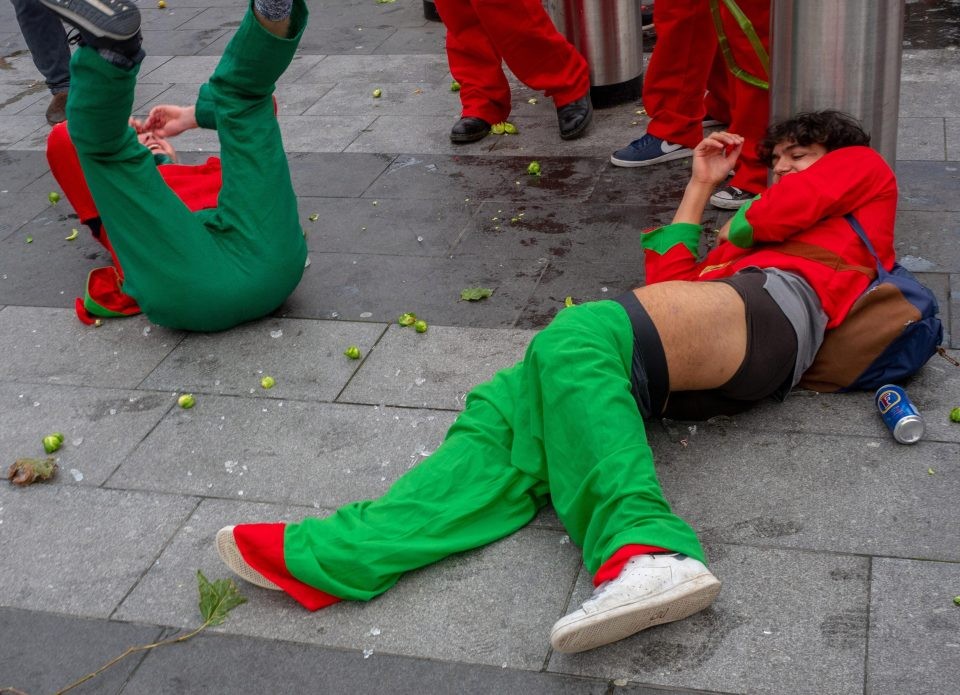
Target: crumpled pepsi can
point(899, 414)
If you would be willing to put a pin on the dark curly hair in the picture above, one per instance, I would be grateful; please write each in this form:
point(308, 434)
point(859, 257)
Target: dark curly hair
point(832, 129)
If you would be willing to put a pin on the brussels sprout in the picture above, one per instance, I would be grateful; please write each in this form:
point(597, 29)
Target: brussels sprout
point(186, 401)
point(73, 235)
point(420, 326)
point(353, 352)
point(268, 382)
point(53, 197)
point(407, 319)
point(51, 443)
point(955, 415)
point(454, 86)
point(533, 168)
point(377, 93)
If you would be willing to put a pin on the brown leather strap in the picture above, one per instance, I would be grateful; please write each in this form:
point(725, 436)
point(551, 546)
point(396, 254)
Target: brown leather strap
point(817, 253)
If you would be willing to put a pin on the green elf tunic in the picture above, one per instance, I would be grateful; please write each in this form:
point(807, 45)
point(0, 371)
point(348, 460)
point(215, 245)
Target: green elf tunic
point(214, 268)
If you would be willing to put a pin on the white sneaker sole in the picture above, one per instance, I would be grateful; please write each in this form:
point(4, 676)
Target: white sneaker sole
point(230, 554)
point(669, 156)
point(726, 204)
point(596, 629)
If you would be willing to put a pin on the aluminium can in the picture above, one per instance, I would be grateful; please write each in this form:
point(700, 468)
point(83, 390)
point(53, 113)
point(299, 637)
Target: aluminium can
point(899, 414)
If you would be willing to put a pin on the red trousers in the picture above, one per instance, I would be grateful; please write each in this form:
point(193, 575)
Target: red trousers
point(749, 105)
point(679, 72)
point(483, 34)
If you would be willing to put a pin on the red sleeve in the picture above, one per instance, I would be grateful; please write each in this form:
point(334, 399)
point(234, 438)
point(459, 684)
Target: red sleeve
point(65, 167)
point(839, 182)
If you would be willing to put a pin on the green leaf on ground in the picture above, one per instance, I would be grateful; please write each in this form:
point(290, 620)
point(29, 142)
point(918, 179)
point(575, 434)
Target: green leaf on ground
point(217, 599)
point(475, 294)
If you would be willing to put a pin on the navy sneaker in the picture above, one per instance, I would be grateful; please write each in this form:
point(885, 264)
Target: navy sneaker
point(116, 20)
point(648, 150)
point(731, 198)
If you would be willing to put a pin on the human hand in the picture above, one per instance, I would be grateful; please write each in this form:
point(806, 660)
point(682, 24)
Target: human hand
point(715, 156)
point(167, 120)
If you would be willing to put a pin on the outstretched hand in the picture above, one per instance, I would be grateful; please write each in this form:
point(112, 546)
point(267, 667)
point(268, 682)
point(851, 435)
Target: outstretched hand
point(167, 120)
point(715, 156)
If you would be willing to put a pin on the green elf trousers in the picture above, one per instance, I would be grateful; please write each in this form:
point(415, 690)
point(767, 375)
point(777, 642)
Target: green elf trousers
point(561, 423)
point(215, 268)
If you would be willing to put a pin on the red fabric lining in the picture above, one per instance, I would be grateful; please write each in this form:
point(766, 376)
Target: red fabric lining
point(612, 567)
point(261, 546)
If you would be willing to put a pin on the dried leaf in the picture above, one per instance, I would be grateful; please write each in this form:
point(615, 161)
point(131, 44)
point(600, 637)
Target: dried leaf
point(475, 294)
point(217, 599)
point(28, 471)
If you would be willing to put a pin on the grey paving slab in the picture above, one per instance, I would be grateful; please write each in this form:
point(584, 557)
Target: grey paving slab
point(784, 622)
point(284, 451)
point(253, 665)
point(320, 133)
point(490, 606)
point(429, 38)
point(398, 98)
point(925, 99)
point(80, 550)
point(952, 130)
point(380, 288)
point(168, 17)
point(659, 185)
point(472, 177)
point(14, 98)
point(101, 426)
point(51, 346)
point(582, 282)
point(382, 69)
point(914, 627)
point(853, 414)
point(213, 18)
point(16, 210)
point(44, 652)
point(433, 369)
point(921, 138)
point(175, 42)
point(335, 175)
point(48, 270)
point(953, 308)
point(928, 186)
point(402, 227)
point(362, 13)
point(927, 241)
point(305, 358)
point(13, 128)
point(293, 100)
point(858, 494)
point(566, 234)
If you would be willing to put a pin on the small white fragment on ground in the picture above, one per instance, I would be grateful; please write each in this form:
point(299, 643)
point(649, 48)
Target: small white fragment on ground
point(76, 441)
point(564, 540)
point(366, 315)
point(620, 682)
point(419, 381)
point(113, 411)
point(36, 403)
point(420, 239)
point(503, 665)
point(77, 475)
point(240, 493)
point(146, 331)
point(367, 653)
point(276, 334)
point(692, 429)
point(230, 465)
point(604, 289)
point(374, 631)
point(873, 445)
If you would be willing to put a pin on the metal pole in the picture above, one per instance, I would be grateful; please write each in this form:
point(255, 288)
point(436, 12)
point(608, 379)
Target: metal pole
point(839, 54)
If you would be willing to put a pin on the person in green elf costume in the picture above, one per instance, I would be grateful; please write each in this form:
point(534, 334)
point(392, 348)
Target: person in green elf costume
point(207, 269)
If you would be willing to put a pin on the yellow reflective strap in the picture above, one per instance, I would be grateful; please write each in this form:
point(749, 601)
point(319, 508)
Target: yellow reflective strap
point(744, 23)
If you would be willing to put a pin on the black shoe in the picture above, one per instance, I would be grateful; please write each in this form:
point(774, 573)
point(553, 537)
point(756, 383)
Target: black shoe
point(469, 129)
point(575, 117)
point(113, 20)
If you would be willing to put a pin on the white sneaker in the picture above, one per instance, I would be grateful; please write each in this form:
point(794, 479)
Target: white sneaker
point(230, 554)
point(650, 590)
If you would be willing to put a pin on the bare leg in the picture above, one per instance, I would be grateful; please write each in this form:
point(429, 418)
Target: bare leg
point(279, 28)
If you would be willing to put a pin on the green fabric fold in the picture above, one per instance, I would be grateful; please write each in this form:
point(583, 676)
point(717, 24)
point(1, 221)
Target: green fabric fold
point(662, 239)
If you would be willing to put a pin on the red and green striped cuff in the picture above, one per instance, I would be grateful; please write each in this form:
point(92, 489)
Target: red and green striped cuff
point(741, 231)
point(662, 239)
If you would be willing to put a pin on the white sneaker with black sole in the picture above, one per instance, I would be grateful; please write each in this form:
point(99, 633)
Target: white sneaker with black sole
point(650, 590)
point(731, 198)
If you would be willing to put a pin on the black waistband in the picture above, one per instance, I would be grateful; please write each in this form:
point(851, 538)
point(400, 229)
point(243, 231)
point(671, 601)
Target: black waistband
point(648, 373)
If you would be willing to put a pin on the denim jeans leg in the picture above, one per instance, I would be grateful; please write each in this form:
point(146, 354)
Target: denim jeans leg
point(47, 40)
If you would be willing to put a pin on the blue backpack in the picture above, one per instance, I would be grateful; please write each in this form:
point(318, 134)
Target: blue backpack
point(888, 335)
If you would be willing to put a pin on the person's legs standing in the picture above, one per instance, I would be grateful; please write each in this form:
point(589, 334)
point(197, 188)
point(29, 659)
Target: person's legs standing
point(47, 40)
point(477, 65)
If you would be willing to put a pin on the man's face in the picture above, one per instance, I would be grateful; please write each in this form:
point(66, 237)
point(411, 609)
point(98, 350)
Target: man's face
point(157, 145)
point(789, 158)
